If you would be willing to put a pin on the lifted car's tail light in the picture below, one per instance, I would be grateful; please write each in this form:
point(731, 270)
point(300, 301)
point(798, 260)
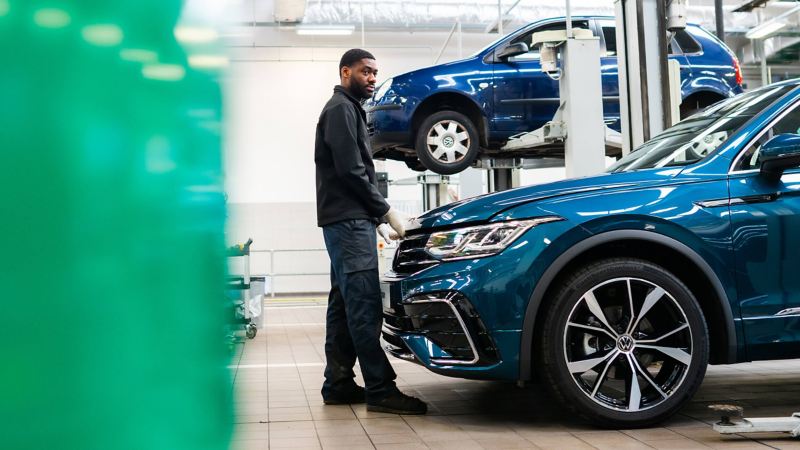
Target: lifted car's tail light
point(480, 241)
point(738, 69)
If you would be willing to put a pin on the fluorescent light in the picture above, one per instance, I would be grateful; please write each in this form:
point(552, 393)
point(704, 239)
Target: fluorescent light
point(208, 61)
point(764, 30)
point(51, 18)
point(325, 30)
point(138, 55)
point(103, 35)
point(195, 35)
point(164, 72)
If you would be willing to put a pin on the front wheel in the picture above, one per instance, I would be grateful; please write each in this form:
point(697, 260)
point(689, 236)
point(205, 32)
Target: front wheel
point(447, 142)
point(624, 343)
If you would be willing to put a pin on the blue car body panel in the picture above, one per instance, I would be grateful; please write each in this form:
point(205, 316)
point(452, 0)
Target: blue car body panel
point(749, 251)
point(516, 96)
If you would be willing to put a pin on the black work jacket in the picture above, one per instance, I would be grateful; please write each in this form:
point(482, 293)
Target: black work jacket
point(346, 184)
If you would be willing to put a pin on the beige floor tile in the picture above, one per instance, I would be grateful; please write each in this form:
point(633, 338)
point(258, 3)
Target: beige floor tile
point(652, 434)
point(332, 412)
point(677, 444)
point(399, 438)
point(401, 447)
point(306, 443)
point(345, 441)
point(391, 425)
point(554, 439)
point(506, 443)
point(250, 445)
point(351, 427)
point(292, 429)
point(289, 414)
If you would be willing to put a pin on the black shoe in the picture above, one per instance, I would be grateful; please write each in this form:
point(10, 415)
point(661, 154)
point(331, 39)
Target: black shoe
point(399, 403)
point(352, 396)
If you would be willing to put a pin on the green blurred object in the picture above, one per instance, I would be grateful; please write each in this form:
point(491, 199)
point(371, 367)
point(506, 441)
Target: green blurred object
point(111, 230)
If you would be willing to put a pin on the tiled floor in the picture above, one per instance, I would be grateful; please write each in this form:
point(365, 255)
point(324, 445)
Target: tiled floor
point(278, 376)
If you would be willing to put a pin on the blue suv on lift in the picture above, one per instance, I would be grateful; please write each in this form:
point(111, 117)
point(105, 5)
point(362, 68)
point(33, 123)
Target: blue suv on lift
point(443, 117)
point(618, 289)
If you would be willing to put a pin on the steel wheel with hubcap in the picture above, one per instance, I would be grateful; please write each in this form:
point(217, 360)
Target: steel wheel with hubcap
point(447, 142)
point(624, 343)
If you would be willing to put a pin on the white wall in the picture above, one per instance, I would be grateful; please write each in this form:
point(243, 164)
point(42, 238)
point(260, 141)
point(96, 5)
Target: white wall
point(273, 95)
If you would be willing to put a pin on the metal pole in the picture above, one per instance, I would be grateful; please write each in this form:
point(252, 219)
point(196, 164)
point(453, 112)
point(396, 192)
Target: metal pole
point(446, 41)
point(569, 22)
point(272, 273)
point(460, 41)
point(719, 20)
point(500, 17)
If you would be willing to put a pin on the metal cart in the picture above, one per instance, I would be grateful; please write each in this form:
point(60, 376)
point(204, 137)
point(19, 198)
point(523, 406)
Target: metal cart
point(239, 292)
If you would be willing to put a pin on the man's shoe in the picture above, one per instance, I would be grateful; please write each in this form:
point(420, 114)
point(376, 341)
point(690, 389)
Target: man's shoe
point(399, 403)
point(353, 396)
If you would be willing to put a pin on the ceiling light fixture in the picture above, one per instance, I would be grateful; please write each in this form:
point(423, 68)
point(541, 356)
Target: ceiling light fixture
point(764, 30)
point(325, 30)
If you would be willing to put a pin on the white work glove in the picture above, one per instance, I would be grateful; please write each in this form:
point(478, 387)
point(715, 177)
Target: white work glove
point(397, 221)
point(387, 234)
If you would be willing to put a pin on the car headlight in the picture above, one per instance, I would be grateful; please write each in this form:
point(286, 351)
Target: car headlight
point(479, 241)
point(382, 90)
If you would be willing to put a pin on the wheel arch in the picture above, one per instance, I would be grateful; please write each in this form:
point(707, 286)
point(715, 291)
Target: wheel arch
point(455, 101)
point(705, 285)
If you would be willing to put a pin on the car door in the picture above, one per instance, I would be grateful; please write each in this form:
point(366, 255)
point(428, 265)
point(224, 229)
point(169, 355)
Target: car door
point(609, 70)
point(525, 98)
point(765, 219)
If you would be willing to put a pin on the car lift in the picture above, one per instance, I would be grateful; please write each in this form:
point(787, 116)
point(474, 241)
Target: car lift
point(740, 424)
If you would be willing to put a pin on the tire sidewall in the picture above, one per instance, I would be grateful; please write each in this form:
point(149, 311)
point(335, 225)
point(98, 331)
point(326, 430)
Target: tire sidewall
point(421, 144)
point(555, 366)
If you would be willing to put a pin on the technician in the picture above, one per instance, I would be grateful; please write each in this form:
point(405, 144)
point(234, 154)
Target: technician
point(349, 208)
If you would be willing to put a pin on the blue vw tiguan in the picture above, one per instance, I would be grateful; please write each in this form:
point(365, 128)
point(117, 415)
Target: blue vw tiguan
point(443, 117)
point(618, 289)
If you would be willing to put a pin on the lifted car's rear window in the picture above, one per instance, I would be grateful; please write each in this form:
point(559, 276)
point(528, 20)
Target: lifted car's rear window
point(692, 139)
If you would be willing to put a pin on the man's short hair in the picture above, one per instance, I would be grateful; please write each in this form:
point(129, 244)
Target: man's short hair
point(352, 56)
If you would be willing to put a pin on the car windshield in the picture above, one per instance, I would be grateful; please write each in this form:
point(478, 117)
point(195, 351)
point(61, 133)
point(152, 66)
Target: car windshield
point(691, 140)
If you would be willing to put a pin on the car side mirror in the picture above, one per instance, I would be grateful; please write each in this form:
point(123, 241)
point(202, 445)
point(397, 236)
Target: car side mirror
point(780, 153)
point(513, 50)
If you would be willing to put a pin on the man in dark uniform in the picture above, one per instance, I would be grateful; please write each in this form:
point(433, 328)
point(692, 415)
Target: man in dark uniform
point(349, 208)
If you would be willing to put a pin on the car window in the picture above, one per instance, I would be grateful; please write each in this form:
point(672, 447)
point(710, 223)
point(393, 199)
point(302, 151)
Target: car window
point(686, 42)
point(527, 37)
point(610, 35)
point(790, 123)
point(693, 139)
point(609, 29)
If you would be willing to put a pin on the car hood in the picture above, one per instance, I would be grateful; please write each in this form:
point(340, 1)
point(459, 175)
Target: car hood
point(483, 208)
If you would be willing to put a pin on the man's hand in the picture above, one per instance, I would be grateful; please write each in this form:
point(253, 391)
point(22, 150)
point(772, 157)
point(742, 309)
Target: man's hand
point(387, 234)
point(397, 221)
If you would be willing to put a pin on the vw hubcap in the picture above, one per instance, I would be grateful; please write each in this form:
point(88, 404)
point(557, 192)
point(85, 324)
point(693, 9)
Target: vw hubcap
point(448, 141)
point(628, 344)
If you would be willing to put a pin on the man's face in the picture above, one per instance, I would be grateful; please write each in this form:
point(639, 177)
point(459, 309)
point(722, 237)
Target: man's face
point(360, 78)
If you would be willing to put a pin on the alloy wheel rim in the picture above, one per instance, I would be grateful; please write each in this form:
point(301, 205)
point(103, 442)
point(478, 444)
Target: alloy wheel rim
point(448, 141)
point(628, 344)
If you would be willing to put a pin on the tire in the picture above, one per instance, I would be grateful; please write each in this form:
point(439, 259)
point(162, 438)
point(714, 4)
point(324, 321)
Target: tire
point(666, 315)
point(447, 142)
point(251, 331)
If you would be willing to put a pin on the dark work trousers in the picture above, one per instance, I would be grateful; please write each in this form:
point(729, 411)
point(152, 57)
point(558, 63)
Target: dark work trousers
point(355, 312)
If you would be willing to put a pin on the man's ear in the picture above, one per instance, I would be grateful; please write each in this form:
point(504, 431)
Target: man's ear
point(345, 72)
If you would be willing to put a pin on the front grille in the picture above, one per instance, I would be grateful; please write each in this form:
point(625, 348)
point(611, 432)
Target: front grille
point(411, 256)
point(450, 322)
point(371, 129)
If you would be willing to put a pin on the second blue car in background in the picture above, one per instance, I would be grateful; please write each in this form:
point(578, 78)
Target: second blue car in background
point(443, 117)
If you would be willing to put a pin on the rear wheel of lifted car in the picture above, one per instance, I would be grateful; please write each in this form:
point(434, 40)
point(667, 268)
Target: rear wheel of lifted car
point(624, 343)
point(447, 142)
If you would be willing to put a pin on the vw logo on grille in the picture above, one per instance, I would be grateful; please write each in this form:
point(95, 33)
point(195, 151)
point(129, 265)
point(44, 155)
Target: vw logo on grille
point(625, 343)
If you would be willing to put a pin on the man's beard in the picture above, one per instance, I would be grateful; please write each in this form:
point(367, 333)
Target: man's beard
point(360, 91)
